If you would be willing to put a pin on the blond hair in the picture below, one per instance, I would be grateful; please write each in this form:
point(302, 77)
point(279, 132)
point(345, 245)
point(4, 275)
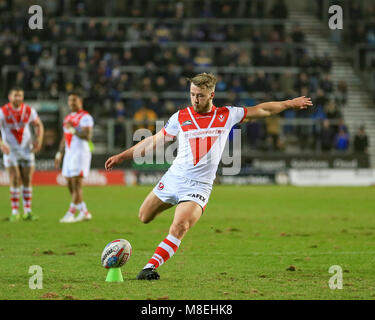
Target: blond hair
point(204, 81)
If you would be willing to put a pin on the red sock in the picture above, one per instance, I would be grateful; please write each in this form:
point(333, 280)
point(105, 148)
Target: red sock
point(27, 197)
point(163, 252)
point(14, 199)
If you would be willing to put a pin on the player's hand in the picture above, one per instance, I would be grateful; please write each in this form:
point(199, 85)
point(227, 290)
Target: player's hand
point(112, 161)
point(69, 124)
point(4, 148)
point(58, 158)
point(301, 103)
point(57, 164)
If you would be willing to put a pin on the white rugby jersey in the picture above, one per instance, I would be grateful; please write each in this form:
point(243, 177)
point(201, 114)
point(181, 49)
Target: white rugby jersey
point(201, 140)
point(79, 120)
point(15, 127)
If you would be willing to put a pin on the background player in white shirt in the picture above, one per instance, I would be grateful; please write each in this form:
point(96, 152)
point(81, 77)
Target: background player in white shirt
point(75, 145)
point(202, 130)
point(18, 147)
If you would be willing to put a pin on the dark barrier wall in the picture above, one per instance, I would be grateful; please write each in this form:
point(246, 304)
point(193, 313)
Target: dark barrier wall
point(263, 163)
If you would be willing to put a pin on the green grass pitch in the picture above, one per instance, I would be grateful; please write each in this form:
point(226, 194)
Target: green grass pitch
point(253, 242)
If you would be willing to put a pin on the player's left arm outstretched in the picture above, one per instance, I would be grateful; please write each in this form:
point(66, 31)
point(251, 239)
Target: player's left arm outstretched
point(267, 109)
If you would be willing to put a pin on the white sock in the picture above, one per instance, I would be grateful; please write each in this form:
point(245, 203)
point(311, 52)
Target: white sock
point(27, 197)
point(82, 207)
point(72, 208)
point(163, 252)
point(15, 199)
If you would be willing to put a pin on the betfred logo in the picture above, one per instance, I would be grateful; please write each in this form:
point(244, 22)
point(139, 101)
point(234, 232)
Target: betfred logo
point(160, 186)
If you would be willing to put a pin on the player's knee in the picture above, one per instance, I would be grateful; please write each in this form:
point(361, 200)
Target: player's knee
point(179, 228)
point(143, 216)
point(16, 180)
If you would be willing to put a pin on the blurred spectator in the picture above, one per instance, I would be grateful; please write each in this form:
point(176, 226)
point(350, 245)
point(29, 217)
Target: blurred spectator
point(221, 85)
point(279, 10)
point(50, 140)
point(169, 109)
point(342, 126)
point(297, 34)
point(331, 111)
point(46, 61)
point(135, 103)
point(261, 82)
point(325, 62)
point(326, 136)
point(355, 11)
point(133, 33)
point(302, 81)
point(342, 140)
point(145, 118)
point(361, 141)
point(273, 131)
point(155, 105)
point(255, 133)
point(326, 83)
point(53, 91)
point(160, 84)
point(150, 67)
point(34, 50)
point(321, 99)
point(120, 116)
point(341, 94)
point(202, 59)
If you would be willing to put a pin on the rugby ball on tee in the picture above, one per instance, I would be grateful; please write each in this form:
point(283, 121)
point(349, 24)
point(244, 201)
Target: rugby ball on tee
point(116, 253)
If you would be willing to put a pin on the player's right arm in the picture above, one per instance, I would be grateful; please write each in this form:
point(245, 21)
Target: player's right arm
point(60, 153)
point(4, 147)
point(139, 149)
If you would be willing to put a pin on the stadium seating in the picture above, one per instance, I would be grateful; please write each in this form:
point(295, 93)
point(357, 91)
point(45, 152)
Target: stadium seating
point(139, 54)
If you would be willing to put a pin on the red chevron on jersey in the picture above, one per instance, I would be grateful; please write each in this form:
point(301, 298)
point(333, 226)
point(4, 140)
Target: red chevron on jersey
point(203, 119)
point(202, 139)
point(17, 118)
point(201, 146)
point(68, 138)
point(221, 119)
point(186, 122)
point(73, 119)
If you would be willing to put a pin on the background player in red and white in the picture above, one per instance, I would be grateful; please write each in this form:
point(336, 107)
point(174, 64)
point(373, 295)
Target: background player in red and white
point(202, 130)
point(18, 147)
point(78, 129)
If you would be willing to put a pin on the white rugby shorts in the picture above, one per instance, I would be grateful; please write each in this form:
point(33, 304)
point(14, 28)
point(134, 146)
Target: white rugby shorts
point(76, 164)
point(174, 189)
point(22, 159)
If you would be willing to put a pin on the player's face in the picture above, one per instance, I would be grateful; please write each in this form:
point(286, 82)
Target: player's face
point(16, 98)
point(201, 99)
point(75, 103)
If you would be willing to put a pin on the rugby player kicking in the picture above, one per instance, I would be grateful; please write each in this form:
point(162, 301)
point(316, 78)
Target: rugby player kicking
point(74, 145)
point(202, 130)
point(19, 148)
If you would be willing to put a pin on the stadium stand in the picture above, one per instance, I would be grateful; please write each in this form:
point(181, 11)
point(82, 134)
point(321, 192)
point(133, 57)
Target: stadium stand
point(131, 59)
